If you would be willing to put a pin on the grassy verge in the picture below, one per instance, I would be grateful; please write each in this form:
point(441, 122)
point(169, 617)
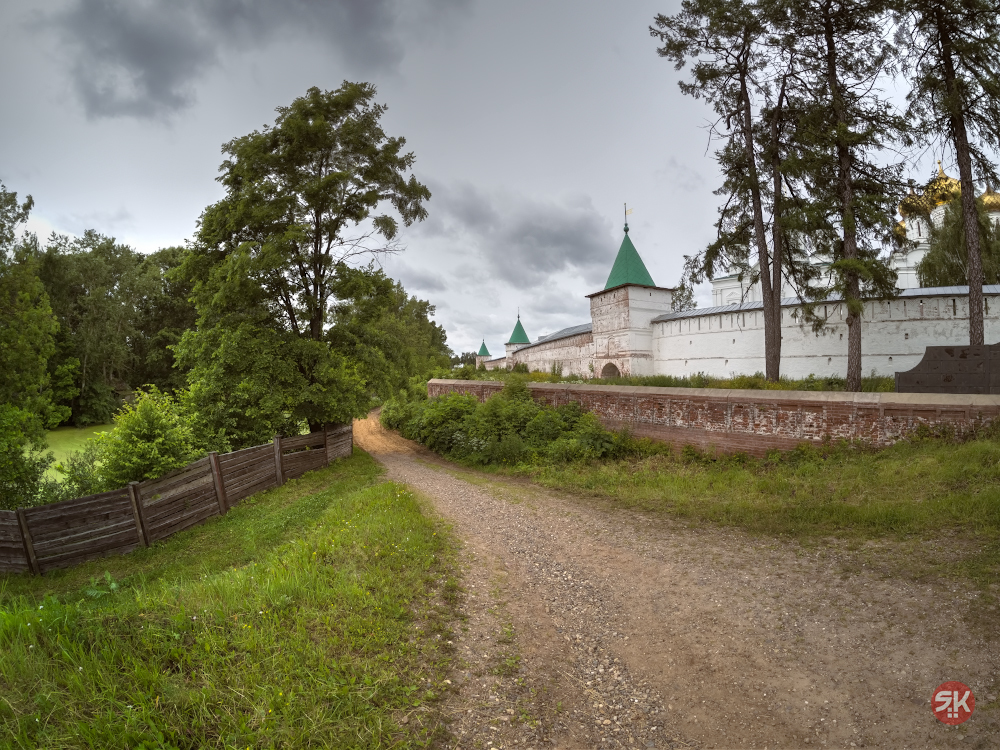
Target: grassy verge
point(314, 615)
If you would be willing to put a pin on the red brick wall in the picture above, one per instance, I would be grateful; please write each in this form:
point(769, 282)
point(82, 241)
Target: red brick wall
point(752, 421)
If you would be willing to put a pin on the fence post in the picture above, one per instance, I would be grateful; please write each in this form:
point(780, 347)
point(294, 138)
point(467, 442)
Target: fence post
point(326, 443)
point(29, 547)
point(220, 487)
point(278, 470)
point(140, 520)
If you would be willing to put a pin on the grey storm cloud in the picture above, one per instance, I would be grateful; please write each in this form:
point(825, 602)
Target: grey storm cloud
point(520, 240)
point(142, 58)
point(418, 280)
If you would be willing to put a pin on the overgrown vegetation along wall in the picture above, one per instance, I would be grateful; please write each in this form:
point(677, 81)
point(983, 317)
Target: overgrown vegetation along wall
point(63, 534)
point(753, 422)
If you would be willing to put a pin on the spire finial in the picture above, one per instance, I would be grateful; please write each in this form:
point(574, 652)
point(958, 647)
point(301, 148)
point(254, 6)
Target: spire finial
point(627, 212)
point(940, 169)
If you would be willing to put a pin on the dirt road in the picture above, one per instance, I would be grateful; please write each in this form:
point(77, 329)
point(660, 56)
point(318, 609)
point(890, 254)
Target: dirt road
point(599, 628)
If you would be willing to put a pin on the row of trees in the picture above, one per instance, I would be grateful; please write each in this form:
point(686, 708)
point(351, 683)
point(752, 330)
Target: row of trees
point(274, 318)
point(812, 146)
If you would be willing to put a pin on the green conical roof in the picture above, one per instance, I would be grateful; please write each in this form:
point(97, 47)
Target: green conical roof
point(628, 267)
point(519, 336)
point(483, 351)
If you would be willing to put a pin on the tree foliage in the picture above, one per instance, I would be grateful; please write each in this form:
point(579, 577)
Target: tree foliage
point(272, 273)
point(742, 62)
point(947, 263)
point(27, 331)
point(118, 311)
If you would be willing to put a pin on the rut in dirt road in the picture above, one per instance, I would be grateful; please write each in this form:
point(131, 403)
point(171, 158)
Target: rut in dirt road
point(596, 628)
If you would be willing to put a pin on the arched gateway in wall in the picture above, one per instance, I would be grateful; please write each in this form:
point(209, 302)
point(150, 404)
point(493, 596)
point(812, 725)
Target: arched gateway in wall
point(610, 370)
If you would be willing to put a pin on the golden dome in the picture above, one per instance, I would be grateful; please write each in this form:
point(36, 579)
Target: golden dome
point(991, 200)
point(941, 189)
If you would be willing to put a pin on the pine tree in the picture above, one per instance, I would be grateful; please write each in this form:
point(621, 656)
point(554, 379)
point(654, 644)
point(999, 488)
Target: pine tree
point(849, 124)
point(955, 97)
point(742, 66)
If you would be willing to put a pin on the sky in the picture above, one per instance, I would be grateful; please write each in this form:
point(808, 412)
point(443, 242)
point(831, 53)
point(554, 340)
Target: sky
point(532, 123)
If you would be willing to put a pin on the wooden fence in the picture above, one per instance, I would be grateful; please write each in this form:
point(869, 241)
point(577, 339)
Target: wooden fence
point(112, 523)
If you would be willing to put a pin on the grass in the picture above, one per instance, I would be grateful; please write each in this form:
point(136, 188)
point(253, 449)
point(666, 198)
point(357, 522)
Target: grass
point(65, 440)
point(313, 615)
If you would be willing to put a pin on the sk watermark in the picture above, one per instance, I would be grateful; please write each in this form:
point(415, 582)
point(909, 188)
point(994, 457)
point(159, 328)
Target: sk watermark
point(953, 702)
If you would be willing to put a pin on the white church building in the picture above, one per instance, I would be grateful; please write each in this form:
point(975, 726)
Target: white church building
point(633, 330)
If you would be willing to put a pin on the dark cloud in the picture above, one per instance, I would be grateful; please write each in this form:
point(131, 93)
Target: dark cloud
point(142, 58)
point(416, 280)
point(521, 241)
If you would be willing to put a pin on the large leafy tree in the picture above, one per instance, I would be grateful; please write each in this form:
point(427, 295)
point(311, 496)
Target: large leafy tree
point(955, 97)
point(27, 331)
point(386, 331)
point(321, 188)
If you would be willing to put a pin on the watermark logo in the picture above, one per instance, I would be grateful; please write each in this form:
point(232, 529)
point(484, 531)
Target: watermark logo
point(953, 702)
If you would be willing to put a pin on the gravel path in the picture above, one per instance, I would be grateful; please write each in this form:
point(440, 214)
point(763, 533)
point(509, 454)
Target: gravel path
point(594, 628)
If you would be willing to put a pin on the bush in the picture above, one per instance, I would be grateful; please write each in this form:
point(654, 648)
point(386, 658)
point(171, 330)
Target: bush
point(508, 429)
point(442, 418)
point(151, 437)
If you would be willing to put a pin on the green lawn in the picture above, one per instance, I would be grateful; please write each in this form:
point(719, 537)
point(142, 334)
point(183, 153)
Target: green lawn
point(64, 440)
point(313, 615)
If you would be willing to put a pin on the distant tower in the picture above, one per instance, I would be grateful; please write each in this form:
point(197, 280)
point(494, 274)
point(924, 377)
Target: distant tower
point(518, 338)
point(482, 355)
point(622, 313)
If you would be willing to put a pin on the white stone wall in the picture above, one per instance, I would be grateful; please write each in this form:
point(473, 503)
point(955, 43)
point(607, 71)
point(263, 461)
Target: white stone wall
point(894, 336)
point(573, 354)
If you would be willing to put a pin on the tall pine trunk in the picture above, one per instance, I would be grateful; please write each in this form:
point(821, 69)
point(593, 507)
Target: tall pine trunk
point(776, 236)
point(846, 194)
point(970, 217)
point(772, 307)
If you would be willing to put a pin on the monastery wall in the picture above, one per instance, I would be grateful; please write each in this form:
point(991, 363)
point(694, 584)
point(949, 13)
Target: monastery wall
point(573, 353)
point(753, 422)
point(893, 338)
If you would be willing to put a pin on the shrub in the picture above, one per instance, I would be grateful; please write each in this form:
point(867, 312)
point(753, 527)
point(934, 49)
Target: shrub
point(442, 418)
point(150, 438)
point(508, 429)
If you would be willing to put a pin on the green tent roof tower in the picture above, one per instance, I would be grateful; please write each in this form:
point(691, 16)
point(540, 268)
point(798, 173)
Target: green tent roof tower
point(519, 336)
point(628, 267)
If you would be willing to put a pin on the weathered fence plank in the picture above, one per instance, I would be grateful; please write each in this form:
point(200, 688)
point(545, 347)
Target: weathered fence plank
point(136, 501)
point(29, 547)
point(13, 555)
point(312, 440)
point(220, 487)
point(278, 469)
